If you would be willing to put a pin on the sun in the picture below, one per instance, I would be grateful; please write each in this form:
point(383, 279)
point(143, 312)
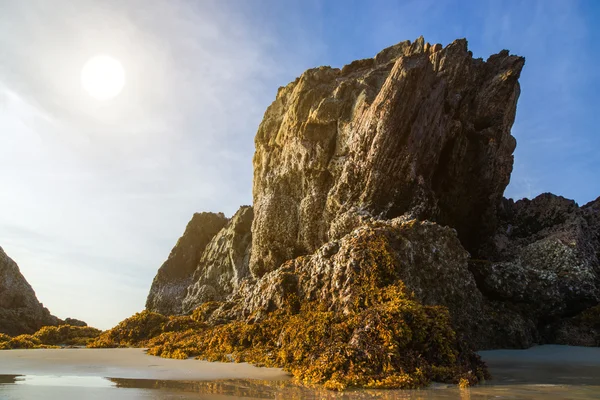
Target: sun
point(103, 77)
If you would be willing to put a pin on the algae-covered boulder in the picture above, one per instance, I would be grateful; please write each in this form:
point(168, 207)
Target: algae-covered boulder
point(390, 305)
point(426, 257)
point(378, 223)
point(136, 330)
point(390, 340)
point(51, 337)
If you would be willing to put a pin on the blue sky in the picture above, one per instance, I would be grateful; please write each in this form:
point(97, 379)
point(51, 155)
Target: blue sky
point(96, 194)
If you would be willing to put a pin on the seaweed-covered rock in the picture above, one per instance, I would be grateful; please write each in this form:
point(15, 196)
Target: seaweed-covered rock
point(390, 341)
point(347, 160)
point(426, 257)
point(136, 330)
point(20, 310)
point(170, 284)
point(418, 129)
point(51, 337)
point(224, 262)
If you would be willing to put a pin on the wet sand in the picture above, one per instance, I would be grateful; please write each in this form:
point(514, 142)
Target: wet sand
point(125, 363)
point(539, 373)
point(548, 364)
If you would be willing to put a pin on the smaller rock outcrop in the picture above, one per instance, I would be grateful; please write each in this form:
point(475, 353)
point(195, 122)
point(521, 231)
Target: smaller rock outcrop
point(224, 262)
point(20, 310)
point(173, 278)
point(543, 261)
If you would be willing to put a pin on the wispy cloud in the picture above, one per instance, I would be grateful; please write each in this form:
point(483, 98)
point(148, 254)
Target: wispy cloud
point(95, 194)
point(113, 185)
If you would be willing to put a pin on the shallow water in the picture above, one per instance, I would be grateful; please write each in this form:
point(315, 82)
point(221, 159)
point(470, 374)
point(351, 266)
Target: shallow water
point(13, 387)
point(543, 372)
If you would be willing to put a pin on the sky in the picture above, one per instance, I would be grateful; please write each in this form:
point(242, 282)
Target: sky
point(96, 193)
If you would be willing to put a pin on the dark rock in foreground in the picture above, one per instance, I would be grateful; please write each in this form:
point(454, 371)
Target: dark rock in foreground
point(20, 310)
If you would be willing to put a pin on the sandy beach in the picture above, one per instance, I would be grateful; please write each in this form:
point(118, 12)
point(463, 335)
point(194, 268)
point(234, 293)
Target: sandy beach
point(125, 363)
point(549, 364)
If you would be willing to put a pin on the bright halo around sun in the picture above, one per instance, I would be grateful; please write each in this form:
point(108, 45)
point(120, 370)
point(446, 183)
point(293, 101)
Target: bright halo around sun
point(103, 77)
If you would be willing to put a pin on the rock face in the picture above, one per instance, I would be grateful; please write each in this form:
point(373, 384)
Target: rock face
point(418, 129)
point(173, 278)
point(20, 310)
point(224, 262)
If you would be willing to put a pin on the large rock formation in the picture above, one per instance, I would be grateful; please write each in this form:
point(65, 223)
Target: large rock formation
point(350, 162)
point(418, 129)
point(170, 284)
point(20, 310)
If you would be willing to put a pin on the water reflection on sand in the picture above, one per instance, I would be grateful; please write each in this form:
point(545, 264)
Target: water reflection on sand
point(543, 372)
point(90, 387)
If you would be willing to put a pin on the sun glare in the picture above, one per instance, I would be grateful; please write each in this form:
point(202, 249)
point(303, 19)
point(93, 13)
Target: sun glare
point(103, 77)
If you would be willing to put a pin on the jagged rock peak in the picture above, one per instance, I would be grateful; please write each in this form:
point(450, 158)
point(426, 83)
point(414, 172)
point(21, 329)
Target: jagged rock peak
point(224, 262)
point(20, 310)
point(418, 129)
point(173, 278)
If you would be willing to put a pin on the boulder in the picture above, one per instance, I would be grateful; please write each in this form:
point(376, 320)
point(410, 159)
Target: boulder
point(398, 161)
